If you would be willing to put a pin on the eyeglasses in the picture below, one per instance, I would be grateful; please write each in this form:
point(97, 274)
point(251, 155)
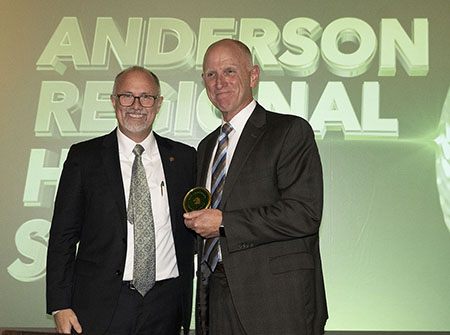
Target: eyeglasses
point(128, 99)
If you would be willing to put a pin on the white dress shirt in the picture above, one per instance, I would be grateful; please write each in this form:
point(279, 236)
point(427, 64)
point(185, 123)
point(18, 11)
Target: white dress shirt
point(166, 262)
point(238, 123)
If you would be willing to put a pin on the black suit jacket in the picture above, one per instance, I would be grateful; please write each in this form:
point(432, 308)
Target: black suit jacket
point(272, 208)
point(90, 210)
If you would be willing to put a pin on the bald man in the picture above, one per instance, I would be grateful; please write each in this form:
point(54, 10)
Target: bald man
point(259, 254)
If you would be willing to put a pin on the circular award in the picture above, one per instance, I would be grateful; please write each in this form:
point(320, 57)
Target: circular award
point(197, 198)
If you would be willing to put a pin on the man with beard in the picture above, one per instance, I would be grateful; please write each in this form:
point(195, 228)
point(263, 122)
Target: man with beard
point(120, 260)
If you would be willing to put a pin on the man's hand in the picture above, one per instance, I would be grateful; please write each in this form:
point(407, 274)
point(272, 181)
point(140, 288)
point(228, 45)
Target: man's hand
point(205, 222)
point(65, 319)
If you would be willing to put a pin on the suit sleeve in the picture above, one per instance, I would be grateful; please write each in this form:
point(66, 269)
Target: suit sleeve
point(64, 235)
point(295, 206)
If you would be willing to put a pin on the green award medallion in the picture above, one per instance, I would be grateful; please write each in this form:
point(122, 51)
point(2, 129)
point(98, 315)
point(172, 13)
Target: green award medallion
point(197, 198)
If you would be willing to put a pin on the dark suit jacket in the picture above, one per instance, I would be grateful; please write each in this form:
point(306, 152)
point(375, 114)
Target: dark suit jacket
point(272, 208)
point(90, 210)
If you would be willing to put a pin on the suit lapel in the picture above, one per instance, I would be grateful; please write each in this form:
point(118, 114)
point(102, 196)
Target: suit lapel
point(206, 159)
point(169, 166)
point(111, 162)
point(250, 136)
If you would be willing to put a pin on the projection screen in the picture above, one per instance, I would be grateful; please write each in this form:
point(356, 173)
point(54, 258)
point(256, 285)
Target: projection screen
point(371, 77)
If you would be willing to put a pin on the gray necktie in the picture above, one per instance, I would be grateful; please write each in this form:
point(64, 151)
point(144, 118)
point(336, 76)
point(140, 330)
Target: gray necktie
point(140, 215)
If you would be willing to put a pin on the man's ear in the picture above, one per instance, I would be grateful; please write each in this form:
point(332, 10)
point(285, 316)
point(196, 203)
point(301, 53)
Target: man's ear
point(254, 76)
point(159, 103)
point(113, 100)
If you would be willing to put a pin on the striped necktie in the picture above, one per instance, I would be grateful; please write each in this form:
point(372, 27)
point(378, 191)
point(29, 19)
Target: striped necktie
point(219, 173)
point(140, 215)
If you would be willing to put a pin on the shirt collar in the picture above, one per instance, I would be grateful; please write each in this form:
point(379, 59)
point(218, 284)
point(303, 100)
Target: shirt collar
point(126, 144)
point(240, 119)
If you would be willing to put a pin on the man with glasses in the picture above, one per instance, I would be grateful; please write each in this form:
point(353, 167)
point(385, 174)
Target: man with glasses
point(120, 260)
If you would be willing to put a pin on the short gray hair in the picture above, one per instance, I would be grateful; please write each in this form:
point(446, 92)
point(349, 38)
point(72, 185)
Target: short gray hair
point(140, 69)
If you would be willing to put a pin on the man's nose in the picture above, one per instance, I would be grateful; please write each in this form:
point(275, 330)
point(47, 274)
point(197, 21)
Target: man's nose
point(220, 81)
point(137, 103)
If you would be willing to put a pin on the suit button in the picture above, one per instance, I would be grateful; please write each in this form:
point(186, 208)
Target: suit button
point(118, 273)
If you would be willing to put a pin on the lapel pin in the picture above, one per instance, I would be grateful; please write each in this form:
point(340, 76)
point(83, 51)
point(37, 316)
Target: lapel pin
point(172, 159)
